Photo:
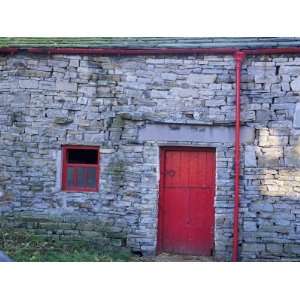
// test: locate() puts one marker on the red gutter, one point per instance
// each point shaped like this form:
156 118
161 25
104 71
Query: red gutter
239 56
270 51
9 50
152 51
126 51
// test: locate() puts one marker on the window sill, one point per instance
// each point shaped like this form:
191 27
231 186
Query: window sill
80 191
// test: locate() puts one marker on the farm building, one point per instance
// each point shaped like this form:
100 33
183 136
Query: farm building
181 145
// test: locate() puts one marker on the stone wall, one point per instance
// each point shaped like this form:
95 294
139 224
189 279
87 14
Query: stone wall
130 106
66 229
270 195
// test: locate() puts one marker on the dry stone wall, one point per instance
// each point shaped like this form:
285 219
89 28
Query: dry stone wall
129 106
270 195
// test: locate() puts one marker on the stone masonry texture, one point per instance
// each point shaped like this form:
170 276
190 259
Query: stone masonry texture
47 101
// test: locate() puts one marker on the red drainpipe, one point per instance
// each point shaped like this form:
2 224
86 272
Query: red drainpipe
239 56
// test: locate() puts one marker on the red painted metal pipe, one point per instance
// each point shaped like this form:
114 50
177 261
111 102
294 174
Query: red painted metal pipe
272 51
151 51
128 51
8 50
239 56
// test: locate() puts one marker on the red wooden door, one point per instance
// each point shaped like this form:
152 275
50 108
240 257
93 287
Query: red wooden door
186 205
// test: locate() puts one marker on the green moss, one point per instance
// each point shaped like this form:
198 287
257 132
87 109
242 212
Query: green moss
117 167
118 122
54 42
21 245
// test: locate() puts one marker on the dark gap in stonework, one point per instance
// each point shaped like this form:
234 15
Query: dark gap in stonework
277 70
82 156
137 253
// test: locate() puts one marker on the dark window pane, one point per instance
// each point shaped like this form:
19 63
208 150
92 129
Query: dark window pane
91 177
82 156
70 173
81 177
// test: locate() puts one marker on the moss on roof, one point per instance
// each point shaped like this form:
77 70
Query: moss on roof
148 42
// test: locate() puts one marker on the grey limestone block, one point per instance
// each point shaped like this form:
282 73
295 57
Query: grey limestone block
250 156
296 123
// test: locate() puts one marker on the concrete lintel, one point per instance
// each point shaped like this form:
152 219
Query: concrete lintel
203 133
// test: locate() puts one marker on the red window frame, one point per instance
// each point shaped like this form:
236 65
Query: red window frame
76 166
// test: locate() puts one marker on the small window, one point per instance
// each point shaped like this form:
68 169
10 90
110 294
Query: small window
80 171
